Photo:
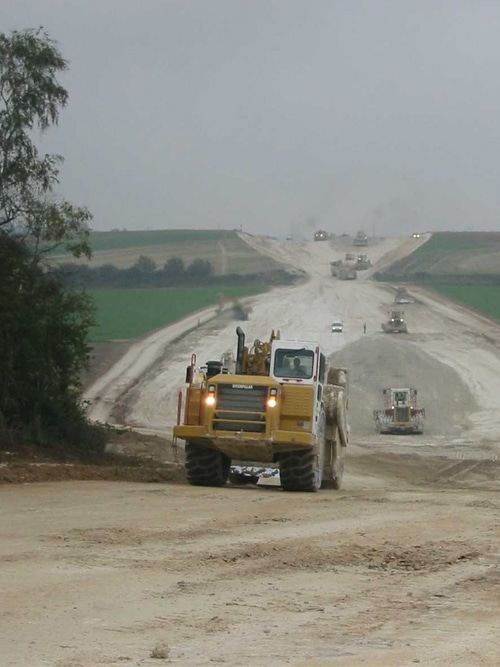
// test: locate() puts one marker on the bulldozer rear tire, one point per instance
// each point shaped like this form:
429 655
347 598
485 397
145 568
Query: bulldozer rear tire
206 467
334 468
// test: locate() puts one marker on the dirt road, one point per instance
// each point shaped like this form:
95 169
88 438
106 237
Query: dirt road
400 567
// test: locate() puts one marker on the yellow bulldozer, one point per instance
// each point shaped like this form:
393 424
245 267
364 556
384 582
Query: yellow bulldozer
281 406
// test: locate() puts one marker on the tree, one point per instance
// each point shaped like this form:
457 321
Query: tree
174 270
145 264
42 344
199 269
43 327
30 98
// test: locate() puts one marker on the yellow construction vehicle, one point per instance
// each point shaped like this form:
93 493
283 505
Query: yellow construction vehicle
360 239
343 270
281 406
362 263
396 323
400 413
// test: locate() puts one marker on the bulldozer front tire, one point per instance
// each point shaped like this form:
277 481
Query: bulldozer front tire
205 466
303 470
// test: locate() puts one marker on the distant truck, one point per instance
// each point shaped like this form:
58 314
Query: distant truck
321 235
343 271
360 239
400 413
396 323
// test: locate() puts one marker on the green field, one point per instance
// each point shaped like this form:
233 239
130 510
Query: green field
445 243
484 299
129 313
460 258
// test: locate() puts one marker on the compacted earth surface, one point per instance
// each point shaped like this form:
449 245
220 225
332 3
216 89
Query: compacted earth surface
129 565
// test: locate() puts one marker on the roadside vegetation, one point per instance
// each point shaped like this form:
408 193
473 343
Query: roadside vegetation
43 325
174 273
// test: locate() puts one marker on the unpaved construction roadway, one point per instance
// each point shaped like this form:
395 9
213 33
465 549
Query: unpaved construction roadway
399 567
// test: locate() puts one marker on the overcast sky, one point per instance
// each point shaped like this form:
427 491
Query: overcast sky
282 116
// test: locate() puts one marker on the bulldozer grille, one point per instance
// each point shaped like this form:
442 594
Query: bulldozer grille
240 409
402 415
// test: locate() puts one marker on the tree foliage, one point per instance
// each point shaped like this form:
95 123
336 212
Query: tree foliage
174 267
200 268
30 99
146 264
43 325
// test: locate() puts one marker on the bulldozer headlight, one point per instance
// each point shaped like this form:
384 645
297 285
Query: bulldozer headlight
210 397
273 398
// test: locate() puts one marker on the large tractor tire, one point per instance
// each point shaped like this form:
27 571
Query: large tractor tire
299 471
334 463
303 470
206 467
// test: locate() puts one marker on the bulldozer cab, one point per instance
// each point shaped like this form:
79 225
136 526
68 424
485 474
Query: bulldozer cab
401 398
292 361
300 363
293 364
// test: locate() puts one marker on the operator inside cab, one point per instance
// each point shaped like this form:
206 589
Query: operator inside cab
400 398
294 363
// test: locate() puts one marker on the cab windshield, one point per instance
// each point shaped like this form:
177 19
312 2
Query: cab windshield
298 363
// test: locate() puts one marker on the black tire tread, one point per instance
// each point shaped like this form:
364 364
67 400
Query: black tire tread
297 471
205 467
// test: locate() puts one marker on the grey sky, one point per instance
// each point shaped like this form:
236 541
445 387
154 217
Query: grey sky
278 115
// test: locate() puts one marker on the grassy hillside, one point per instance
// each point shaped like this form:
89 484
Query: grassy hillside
224 249
462 266
448 255
484 299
